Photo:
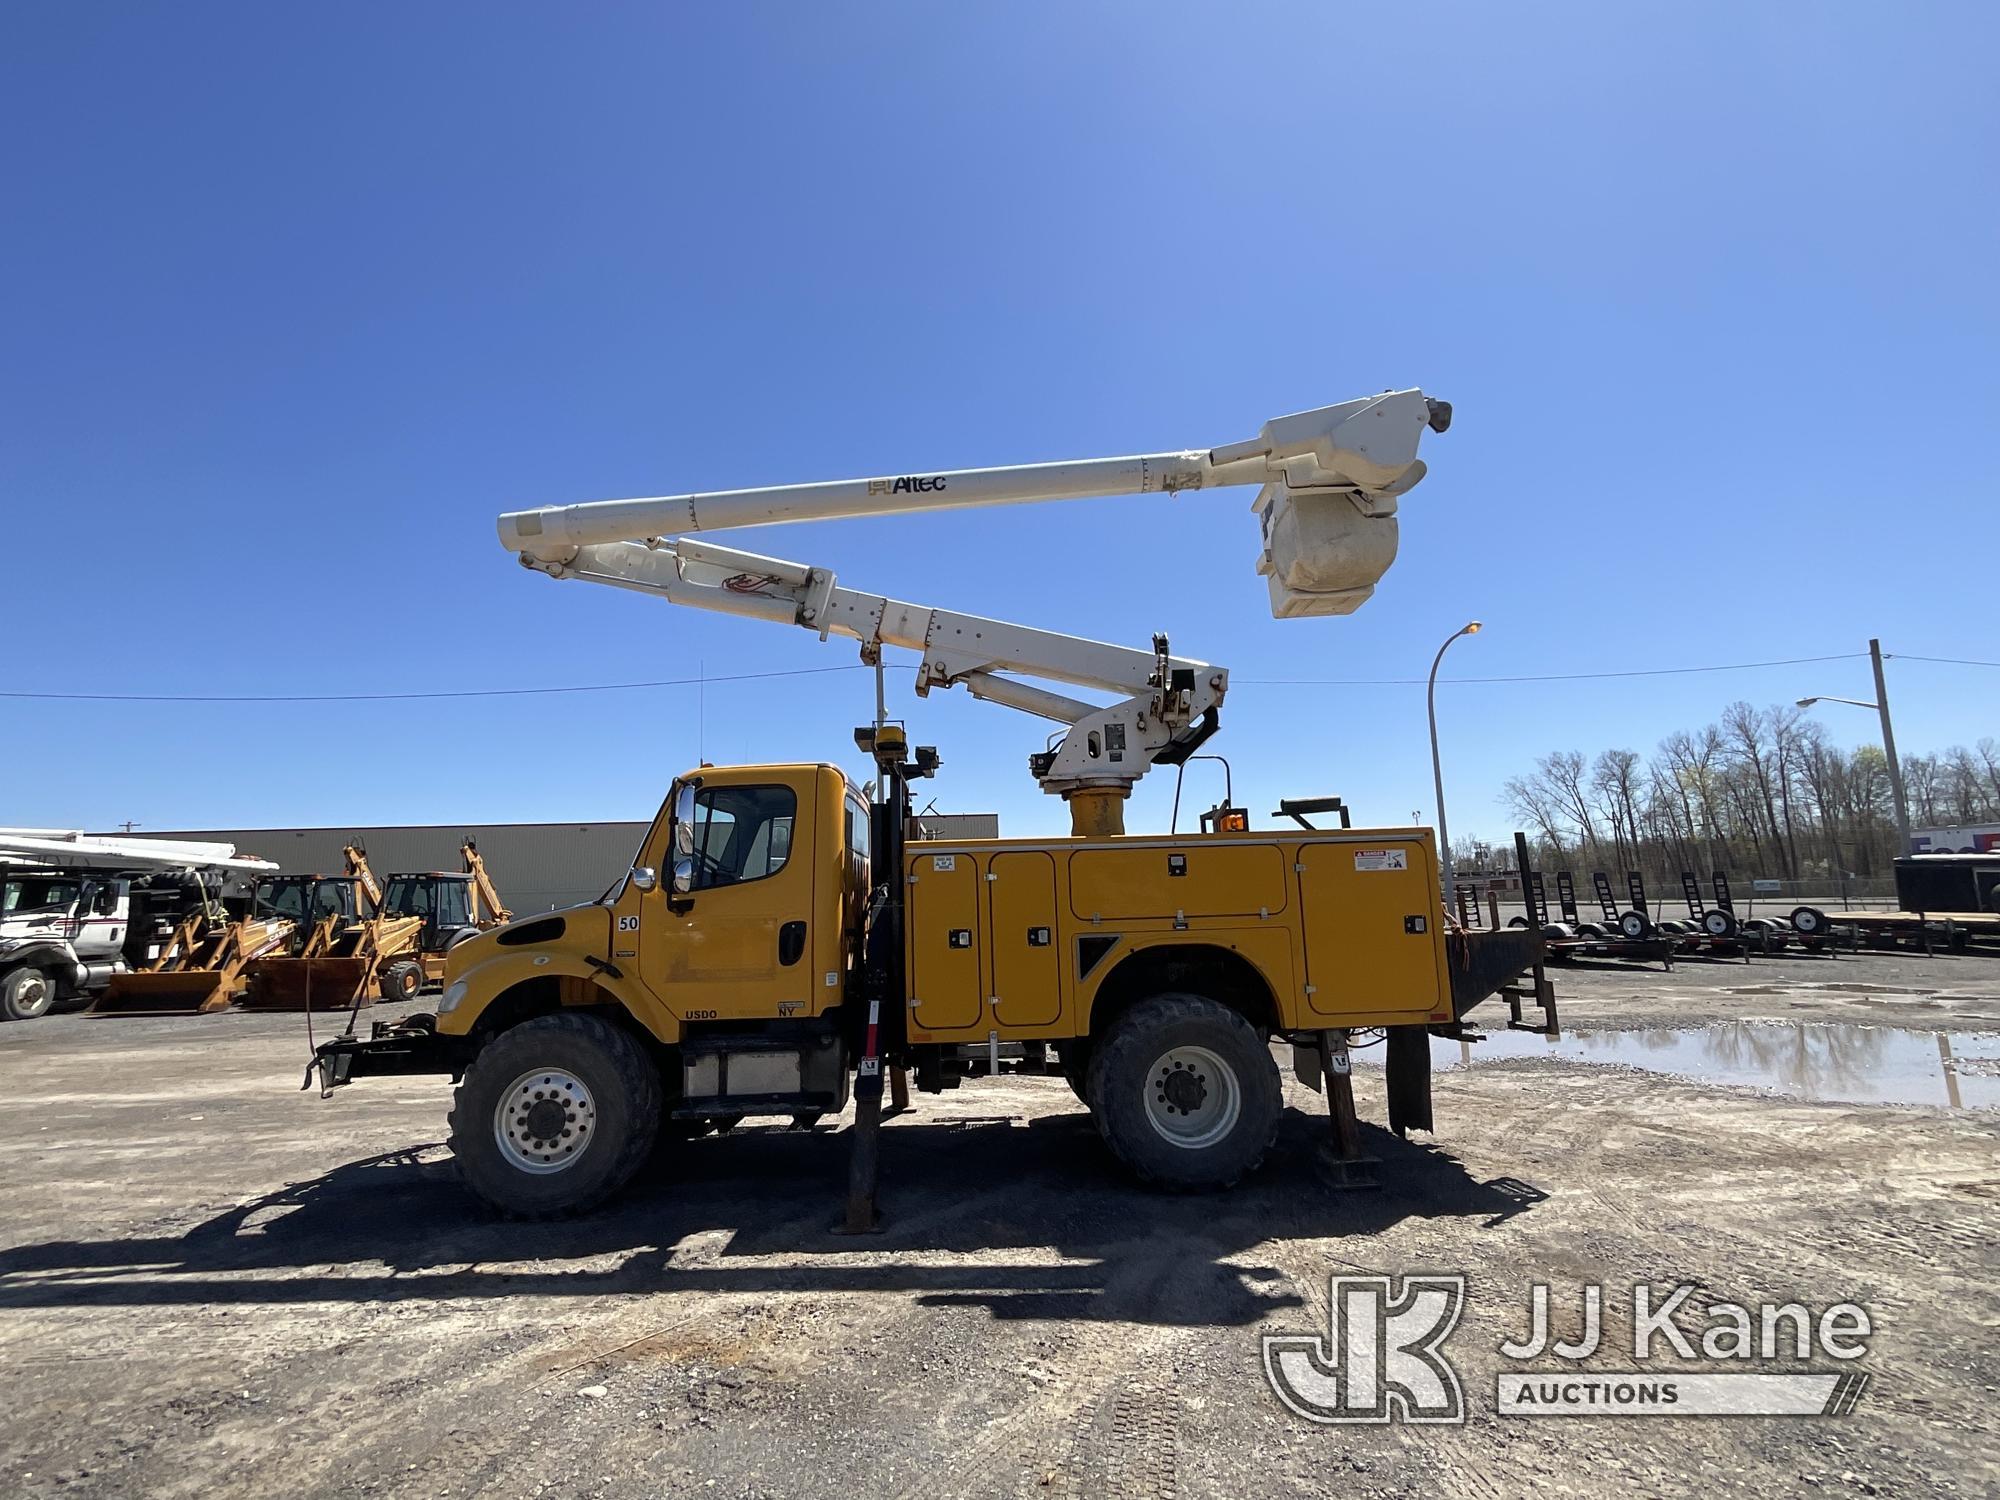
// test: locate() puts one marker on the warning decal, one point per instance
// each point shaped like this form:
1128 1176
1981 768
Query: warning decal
1381 859
944 862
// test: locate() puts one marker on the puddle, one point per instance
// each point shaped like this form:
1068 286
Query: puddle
1814 1060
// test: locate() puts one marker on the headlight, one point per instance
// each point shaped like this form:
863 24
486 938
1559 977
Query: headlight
452 997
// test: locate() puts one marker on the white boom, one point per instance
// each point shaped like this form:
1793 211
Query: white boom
84 851
1330 482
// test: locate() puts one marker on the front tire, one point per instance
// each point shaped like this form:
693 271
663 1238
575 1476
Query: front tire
554 1116
401 979
26 994
1185 1093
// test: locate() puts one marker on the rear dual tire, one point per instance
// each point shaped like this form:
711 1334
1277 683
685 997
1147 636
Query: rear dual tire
554 1116
1185 1093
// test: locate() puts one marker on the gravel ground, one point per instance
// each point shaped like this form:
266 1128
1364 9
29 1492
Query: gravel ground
213 1285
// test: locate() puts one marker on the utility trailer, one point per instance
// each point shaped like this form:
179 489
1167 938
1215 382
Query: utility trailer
1626 937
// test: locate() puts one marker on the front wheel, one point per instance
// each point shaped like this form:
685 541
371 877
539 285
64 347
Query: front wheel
1185 1092
554 1116
26 994
401 979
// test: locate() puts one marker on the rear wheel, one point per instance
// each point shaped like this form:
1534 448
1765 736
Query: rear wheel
554 1116
1809 920
26 994
1185 1092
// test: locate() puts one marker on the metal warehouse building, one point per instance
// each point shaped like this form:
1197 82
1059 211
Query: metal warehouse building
535 866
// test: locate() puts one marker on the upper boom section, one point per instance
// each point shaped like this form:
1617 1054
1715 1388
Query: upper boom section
1359 455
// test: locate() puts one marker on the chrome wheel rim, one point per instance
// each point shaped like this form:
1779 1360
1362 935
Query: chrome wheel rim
1193 1098
545 1121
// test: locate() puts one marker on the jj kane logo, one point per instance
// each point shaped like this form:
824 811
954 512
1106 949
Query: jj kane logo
909 484
1383 1357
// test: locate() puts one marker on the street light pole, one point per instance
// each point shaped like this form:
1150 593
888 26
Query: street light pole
1437 768
1881 706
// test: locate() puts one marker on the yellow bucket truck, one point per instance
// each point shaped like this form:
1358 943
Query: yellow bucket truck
780 945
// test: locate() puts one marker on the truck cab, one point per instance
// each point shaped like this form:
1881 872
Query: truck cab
64 933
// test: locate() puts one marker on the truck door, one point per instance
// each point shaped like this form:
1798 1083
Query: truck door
1026 976
739 946
943 944
1371 918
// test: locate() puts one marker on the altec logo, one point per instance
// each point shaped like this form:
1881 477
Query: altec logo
909 484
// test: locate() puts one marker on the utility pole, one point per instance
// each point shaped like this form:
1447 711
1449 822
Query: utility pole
1889 749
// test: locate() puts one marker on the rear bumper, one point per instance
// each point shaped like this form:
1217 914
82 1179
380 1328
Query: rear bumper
397 1049
1483 962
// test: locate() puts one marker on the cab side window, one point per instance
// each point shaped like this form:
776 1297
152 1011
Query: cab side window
741 833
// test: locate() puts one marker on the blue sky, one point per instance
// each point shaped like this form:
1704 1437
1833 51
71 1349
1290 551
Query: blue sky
299 298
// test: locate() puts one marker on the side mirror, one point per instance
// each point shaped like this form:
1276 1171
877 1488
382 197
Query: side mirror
683 843
644 877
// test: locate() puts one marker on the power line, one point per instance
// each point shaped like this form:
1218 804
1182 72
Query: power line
1738 666
672 682
1950 661
520 692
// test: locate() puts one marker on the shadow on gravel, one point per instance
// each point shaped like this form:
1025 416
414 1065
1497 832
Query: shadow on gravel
398 1227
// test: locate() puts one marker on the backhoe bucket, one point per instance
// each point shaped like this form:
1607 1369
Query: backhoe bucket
310 984
184 992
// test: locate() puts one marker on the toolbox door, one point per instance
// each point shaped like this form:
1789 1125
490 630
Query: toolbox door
943 909
1026 976
1371 916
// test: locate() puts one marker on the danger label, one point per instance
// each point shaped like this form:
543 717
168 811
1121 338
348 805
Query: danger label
1381 859
944 862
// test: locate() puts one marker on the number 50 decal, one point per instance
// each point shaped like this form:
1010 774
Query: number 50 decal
628 924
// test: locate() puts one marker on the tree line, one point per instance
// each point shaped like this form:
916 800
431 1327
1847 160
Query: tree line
1761 792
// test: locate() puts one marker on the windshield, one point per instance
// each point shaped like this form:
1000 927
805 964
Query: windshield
39 892
407 898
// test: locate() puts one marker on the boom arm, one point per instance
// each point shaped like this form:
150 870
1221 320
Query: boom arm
1330 482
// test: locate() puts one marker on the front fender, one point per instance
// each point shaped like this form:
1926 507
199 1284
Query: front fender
39 953
579 982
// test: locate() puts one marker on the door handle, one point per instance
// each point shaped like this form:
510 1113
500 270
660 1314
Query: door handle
791 943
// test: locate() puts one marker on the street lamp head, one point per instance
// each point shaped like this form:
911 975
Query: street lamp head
1474 628
1807 702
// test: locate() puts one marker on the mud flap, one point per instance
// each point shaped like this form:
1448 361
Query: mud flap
1408 1065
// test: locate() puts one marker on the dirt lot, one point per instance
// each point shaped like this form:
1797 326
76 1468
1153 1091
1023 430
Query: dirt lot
211 1284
